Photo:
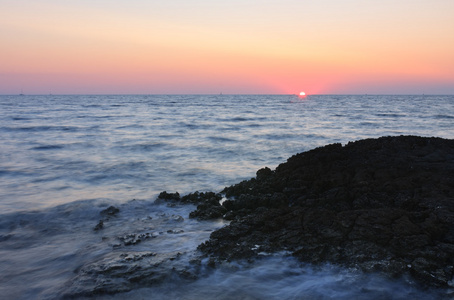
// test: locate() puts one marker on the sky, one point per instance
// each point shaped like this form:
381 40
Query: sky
230 47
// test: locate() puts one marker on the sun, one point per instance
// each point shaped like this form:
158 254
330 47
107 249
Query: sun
302 94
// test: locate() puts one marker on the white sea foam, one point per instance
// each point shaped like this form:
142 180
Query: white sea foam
282 277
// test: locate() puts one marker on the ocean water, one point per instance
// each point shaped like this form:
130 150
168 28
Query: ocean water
63 159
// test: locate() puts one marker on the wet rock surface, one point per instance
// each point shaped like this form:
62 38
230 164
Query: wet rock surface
122 272
208 204
383 205
107 214
144 246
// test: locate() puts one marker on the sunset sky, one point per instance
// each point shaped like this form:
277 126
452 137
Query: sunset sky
236 46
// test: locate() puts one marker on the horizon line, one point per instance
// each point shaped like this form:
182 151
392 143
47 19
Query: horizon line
225 94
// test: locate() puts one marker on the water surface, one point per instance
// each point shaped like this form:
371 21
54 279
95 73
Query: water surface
65 158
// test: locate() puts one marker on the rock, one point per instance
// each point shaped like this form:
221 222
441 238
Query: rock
208 204
177 218
135 238
117 273
99 226
169 196
378 204
200 197
110 211
208 211
136 256
208 207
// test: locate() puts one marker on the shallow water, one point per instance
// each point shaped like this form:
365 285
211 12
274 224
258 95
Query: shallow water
282 277
63 159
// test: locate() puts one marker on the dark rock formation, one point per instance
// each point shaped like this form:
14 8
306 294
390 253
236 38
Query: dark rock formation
208 204
382 204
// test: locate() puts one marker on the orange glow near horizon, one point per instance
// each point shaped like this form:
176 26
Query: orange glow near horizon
107 47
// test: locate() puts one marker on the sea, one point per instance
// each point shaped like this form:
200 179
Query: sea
66 158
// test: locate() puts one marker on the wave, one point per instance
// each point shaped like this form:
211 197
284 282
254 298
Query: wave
220 139
20 119
143 147
48 147
281 277
390 115
41 128
443 117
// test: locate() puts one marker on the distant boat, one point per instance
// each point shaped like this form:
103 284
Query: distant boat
21 93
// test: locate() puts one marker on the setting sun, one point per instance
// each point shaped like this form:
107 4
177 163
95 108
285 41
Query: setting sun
302 94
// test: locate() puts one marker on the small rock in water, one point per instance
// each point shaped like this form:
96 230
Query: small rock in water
177 218
134 238
136 256
110 211
169 196
99 226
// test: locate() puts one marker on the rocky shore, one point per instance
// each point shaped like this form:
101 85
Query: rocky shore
380 205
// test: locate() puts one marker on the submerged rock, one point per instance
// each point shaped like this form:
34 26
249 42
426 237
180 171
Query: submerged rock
110 211
118 273
99 226
382 204
135 238
138 250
